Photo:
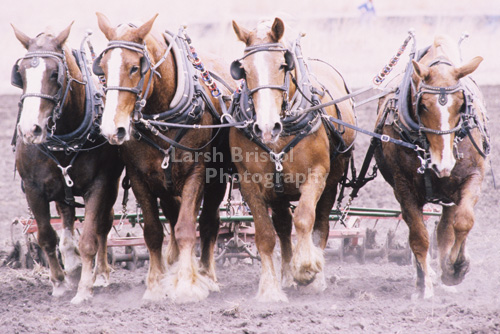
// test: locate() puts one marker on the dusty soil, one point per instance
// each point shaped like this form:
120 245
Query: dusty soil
374 297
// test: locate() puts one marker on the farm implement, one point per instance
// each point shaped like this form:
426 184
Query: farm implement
356 237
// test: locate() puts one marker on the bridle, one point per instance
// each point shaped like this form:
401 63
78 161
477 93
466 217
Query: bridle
238 73
145 67
443 93
59 98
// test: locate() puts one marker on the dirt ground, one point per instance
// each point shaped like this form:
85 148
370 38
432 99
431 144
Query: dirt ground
374 297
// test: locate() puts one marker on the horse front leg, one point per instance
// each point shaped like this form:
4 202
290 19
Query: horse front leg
184 282
452 232
282 221
308 260
265 240
68 245
47 240
153 236
419 244
209 228
170 206
321 229
99 202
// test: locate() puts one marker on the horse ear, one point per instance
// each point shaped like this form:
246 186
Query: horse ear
22 37
242 33
63 36
421 70
277 30
105 26
143 30
468 68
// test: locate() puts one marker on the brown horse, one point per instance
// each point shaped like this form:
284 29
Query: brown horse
148 79
288 155
59 155
446 118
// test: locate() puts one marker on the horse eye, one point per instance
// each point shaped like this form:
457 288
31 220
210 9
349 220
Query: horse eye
134 69
424 108
54 75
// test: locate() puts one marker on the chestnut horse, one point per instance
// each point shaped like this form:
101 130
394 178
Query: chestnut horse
60 154
286 154
444 115
149 79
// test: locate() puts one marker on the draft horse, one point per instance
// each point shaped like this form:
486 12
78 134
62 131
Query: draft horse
59 154
150 79
440 110
287 154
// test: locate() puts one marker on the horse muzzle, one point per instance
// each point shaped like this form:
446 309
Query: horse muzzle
266 133
118 137
34 134
442 170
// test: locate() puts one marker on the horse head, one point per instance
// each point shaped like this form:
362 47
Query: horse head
126 64
440 100
265 68
41 73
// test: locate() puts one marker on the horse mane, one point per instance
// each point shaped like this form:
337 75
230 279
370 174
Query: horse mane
265 25
444 46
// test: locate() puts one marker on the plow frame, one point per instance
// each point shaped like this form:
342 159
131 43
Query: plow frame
236 238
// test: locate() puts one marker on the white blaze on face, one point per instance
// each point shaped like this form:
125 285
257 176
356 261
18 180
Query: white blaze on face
31 105
268 113
108 126
444 160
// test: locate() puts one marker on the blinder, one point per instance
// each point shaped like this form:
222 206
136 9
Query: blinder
97 69
238 72
145 65
16 79
96 66
290 63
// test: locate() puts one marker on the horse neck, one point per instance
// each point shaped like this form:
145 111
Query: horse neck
163 87
73 111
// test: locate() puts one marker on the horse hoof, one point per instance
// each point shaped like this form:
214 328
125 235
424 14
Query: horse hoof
59 288
455 273
272 297
451 280
74 276
288 282
101 281
187 291
426 292
305 277
81 297
153 295
317 285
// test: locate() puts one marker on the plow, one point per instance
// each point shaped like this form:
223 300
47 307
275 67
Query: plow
360 237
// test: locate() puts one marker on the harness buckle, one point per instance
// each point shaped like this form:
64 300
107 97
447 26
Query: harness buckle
424 161
228 116
277 158
166 159
66 176
385 138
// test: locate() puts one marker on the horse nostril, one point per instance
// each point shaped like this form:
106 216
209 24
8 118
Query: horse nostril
36 130
257 130
121 133
277 129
